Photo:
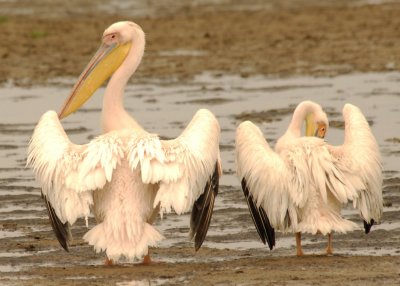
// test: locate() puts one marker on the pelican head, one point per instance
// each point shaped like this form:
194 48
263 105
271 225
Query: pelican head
117 42
316 120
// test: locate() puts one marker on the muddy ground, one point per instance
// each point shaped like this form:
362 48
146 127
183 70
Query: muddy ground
44 40
278 38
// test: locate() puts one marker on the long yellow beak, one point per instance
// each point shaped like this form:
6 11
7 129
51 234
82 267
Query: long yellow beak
103 64
310 126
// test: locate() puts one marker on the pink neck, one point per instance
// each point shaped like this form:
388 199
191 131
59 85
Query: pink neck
114 115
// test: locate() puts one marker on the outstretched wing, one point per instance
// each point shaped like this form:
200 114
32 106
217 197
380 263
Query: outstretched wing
68 172
265 178
359 160
187 169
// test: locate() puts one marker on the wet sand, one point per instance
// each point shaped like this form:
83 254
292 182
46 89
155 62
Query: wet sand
44 41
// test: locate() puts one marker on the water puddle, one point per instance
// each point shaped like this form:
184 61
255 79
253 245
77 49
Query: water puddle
141 8
10 268
151 282
10 234
180 53
14 208
14 254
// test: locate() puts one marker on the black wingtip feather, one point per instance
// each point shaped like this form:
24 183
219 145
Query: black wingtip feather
200 218
260 218
61 230
270 230
367 226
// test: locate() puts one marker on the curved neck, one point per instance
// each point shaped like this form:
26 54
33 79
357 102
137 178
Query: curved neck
299 115
114 115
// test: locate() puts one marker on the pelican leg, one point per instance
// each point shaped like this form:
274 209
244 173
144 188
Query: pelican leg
329 250
298 244
147 259
108 262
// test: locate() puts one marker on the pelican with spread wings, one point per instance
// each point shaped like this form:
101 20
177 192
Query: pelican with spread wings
303 184
126 176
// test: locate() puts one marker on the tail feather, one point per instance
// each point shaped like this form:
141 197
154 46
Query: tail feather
122 244
328 223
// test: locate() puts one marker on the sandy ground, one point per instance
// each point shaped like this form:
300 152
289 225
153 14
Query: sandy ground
43 40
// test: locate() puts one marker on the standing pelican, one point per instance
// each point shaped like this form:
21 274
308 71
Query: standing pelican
125 176
303 185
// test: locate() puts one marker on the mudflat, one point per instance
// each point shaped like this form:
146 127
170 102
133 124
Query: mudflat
46 40
279 38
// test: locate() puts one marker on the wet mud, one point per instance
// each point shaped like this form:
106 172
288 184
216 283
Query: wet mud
47 39
251 61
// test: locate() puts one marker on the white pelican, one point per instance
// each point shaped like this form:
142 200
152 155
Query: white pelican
302 185
125 176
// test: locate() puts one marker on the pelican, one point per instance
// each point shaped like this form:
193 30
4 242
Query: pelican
126 176
303 184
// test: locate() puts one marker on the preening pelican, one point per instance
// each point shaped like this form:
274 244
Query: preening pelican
126 175
303 184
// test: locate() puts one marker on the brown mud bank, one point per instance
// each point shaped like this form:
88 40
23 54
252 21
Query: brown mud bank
246 270
281 38
45 40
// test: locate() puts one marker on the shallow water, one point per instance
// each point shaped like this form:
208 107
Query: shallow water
140 8
165 108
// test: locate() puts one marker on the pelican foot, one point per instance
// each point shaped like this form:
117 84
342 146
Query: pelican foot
108 262
329 251
299 253
146 260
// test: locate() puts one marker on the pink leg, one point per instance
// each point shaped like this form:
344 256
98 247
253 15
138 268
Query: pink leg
108 262
329 249
147 259
298 244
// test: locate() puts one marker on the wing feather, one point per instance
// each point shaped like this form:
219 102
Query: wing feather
360 161
68 172
202 210
61 230
182 166
266 176
260 218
